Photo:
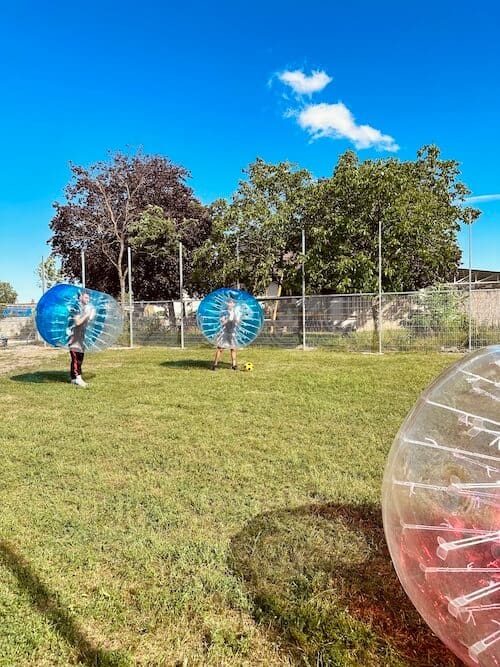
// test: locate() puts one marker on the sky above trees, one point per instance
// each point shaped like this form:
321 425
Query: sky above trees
214 85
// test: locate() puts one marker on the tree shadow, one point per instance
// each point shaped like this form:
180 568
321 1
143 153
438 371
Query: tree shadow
187 364
322 579
43 377
49 605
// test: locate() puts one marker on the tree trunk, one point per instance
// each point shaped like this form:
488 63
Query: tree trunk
171 314
275 309
122 275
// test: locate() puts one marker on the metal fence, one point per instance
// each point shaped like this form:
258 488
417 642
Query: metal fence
445 319
17 324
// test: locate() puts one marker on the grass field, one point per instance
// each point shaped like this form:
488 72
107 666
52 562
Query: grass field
170 515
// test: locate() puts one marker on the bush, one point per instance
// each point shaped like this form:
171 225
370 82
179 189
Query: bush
440 313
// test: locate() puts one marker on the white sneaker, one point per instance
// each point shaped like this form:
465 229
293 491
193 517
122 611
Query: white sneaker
79 381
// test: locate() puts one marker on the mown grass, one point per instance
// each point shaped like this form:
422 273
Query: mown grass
170 515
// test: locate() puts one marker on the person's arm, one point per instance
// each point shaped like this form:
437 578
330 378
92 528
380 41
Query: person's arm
86 315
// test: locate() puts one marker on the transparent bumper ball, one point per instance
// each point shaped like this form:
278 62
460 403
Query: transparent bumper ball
230 318
441 507
56 310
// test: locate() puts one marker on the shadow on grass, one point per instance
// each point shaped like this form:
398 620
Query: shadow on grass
320 576
40 377
188 364
49 605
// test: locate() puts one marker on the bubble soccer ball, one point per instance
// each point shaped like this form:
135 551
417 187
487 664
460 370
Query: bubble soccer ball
441 507
248 366
57 308
230 318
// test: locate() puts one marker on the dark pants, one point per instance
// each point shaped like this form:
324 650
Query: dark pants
76 363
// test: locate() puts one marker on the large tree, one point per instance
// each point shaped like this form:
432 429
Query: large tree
107 204
256 237
417 204
8 294
155 239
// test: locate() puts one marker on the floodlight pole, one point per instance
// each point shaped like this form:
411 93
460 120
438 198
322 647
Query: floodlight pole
83 266
470 286
230 232
181 290
43 275
130 298
238 259
380 284
303 289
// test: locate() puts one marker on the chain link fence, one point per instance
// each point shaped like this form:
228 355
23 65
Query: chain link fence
435 319
17 325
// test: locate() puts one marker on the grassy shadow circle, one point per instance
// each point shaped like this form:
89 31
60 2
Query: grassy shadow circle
320 576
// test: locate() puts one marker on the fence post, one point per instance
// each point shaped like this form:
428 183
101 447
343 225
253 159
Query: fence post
130 299
181 289
43 292
83 266
380 285
470 286
43 275
303 289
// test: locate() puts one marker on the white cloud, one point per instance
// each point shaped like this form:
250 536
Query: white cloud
481 198
302 84
336 121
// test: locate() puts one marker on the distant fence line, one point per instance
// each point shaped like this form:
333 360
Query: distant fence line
447 318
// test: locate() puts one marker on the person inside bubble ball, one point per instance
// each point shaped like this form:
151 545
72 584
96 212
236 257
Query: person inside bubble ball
80 316
229 319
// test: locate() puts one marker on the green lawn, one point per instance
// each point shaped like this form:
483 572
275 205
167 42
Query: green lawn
170 515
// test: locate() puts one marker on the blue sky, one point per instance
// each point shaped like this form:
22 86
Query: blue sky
200 84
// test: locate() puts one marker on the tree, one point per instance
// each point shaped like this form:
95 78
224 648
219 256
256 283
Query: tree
419 207
256 238
417 204
8 294
48 274
155 240
104 203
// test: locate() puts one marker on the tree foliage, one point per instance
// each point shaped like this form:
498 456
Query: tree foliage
418 205
256 238
109 206
48 274
7 293
155 240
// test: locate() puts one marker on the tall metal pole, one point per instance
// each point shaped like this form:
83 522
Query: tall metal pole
303 289
181 290
238 258
130 298
470 286
43 275
379 284
83 267
43 292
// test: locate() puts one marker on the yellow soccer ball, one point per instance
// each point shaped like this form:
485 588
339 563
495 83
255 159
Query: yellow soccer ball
248 366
